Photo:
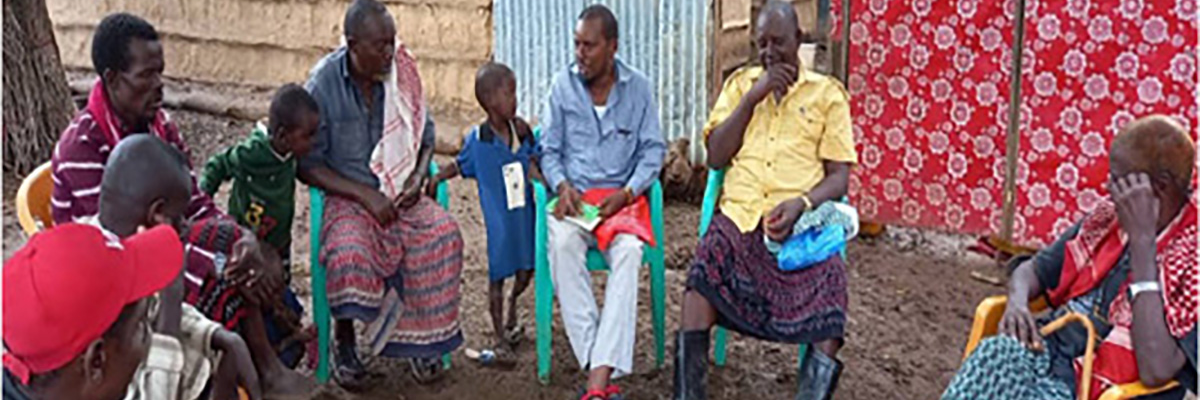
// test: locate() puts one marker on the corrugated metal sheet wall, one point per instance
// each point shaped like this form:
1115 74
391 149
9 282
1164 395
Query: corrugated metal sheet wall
665 39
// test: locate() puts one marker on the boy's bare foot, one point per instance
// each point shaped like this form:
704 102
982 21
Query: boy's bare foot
501 355
505 358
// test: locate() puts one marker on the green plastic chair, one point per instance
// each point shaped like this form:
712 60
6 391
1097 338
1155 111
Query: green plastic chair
712 193
544 291
320 298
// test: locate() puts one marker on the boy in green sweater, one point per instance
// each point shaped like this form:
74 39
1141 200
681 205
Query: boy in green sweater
263 169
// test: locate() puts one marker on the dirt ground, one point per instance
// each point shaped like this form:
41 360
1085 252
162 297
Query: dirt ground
911 303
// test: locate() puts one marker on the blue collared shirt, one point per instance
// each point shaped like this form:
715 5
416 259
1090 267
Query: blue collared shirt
348 132
623 149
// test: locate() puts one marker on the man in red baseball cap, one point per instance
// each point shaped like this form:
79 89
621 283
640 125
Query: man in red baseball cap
75 310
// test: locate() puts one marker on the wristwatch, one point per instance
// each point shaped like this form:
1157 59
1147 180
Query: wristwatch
1137 288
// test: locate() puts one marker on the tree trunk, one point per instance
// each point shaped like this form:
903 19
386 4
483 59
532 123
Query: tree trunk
37 101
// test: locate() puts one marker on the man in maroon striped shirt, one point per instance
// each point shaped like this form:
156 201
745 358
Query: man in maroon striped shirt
226 277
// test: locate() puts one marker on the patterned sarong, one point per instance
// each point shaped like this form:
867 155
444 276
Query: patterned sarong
740 278
419 255
1002 368
210 241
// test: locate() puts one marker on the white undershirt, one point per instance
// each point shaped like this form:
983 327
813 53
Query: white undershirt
600 110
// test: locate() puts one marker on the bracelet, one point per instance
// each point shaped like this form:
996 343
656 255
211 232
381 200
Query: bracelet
1137 288
629 197
807 203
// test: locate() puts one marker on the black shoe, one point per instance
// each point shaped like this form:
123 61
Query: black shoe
818 376
691 365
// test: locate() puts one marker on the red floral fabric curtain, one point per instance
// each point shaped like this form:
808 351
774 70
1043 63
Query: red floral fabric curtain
930 80
1100 65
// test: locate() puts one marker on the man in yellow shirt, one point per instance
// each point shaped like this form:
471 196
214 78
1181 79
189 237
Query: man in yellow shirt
784 136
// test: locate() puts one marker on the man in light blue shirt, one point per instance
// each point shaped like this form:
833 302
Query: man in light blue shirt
611 140
601 130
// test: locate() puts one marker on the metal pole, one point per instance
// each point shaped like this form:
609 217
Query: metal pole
823 59
845 41
823 19
1012 146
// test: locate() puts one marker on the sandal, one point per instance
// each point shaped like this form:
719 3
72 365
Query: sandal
514 335
613 392
594 394
426 370
349 371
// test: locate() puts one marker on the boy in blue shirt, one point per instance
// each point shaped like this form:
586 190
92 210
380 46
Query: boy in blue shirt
497 155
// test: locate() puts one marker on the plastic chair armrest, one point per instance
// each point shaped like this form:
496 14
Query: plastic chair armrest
712 193
1134 390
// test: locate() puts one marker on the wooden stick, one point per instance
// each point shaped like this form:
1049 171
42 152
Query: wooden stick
994 281
1013 144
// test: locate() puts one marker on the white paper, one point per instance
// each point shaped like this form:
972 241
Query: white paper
583 222
514 185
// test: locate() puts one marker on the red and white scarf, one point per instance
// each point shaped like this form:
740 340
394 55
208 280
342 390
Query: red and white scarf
1093 253
404 113
111 125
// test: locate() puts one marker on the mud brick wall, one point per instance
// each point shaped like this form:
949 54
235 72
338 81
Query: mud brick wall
271 42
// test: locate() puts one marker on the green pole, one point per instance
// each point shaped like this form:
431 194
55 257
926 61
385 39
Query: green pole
1012 147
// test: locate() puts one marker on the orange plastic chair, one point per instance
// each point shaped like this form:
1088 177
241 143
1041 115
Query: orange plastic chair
33 200
987 322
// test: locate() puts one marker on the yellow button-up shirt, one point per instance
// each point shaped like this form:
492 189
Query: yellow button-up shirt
785 145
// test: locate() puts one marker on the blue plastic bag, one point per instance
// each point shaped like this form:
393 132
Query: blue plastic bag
813 246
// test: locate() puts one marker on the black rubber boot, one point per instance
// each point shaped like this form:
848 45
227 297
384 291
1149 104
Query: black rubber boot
818 376
691 365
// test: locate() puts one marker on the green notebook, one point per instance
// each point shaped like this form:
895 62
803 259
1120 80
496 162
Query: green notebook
588 220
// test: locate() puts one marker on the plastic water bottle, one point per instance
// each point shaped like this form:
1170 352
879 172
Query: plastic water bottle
772 246
484 357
